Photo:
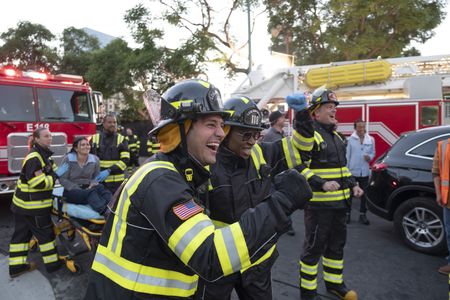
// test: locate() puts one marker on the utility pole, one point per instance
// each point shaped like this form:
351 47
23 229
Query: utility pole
249 38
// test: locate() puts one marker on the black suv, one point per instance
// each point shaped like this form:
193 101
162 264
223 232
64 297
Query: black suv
401 189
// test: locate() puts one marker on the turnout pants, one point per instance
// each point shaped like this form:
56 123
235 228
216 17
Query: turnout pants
325 236
41 227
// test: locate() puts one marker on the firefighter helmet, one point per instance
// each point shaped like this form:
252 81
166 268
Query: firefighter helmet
243 113
321 96
185 100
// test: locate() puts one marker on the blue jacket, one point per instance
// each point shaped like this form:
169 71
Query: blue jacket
356 163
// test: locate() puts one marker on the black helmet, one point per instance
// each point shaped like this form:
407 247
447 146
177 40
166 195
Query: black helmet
187 100
321 96
243 113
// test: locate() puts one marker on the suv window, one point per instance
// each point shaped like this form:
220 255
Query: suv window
16 104
427 149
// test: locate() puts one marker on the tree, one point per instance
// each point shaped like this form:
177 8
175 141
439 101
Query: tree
27 47
204 32
324 31
77 50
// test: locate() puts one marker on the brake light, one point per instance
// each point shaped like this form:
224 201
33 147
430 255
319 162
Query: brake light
378 167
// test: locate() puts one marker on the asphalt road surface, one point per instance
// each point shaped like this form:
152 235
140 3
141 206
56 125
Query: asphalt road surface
377 265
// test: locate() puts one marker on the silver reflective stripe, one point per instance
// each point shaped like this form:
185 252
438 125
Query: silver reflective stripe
337 278
444 146
444 182
299 141
141 278
190 235
230 244
291 153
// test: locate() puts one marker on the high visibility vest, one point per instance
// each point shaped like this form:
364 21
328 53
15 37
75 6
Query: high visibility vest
444 168
106 163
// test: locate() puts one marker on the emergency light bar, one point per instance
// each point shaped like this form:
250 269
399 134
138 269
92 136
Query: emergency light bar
61 78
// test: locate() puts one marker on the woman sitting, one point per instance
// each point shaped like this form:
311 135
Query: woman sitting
79 182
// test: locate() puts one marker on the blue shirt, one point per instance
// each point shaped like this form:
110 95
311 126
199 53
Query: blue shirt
356 150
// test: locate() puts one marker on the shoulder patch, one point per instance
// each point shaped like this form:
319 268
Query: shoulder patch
187 209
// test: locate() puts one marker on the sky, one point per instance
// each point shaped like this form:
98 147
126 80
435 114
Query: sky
107 16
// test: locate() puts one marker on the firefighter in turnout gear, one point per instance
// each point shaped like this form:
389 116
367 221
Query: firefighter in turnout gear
159 241
241 179
112 150
325 215
153 146
32 205
134 144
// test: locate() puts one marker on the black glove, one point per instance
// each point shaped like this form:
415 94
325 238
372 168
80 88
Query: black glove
295 189
303 122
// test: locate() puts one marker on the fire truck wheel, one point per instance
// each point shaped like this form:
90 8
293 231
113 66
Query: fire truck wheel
420 224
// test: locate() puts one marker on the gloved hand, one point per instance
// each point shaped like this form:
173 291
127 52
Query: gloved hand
102 175
62 169
296 101
295 189
303 122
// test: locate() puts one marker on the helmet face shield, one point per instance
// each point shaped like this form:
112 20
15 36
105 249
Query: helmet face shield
152 102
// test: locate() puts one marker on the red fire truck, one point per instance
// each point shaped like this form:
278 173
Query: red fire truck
393 95
28 100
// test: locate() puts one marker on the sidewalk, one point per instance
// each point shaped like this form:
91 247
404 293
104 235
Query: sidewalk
32 285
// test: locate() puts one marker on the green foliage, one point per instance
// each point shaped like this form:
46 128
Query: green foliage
322 31
26 47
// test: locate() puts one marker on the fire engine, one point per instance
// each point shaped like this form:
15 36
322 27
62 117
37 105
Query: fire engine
392 95
64 104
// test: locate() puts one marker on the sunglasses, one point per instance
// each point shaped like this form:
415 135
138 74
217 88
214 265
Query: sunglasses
249 134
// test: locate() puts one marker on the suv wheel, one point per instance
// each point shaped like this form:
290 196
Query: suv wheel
419 222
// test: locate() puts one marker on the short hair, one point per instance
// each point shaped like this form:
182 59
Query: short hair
110 115
358 121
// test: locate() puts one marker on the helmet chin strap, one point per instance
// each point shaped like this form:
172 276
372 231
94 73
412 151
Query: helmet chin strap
187 171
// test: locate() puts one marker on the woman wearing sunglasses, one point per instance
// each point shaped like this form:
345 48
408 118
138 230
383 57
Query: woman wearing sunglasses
241 178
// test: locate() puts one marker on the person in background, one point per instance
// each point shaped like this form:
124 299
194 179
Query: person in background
160 241
112 150
360 151
241 179
153 146
275 132
440 171
79 182
325 215
134 144
32 205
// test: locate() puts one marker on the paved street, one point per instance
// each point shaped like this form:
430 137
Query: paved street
377 265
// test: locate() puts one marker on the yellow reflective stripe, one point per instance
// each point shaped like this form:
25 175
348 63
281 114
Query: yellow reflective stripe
96 139
25 188
47 246
204 83
302 143
115 178
18 247
261 259
338 135
177 104
219 224
121 164
108 163
124 154
32 204
120 139
50 258
18 260
119 226
190 235
257 158
291 153
231 248
331 196
308 269
143 279
334 278
329 173
49 183
33 155
33 182
333 263
308 284
318 138
307 173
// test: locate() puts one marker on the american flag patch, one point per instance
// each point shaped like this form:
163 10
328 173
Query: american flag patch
187 209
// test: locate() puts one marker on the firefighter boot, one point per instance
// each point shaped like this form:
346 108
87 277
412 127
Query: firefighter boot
22 270
341 291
